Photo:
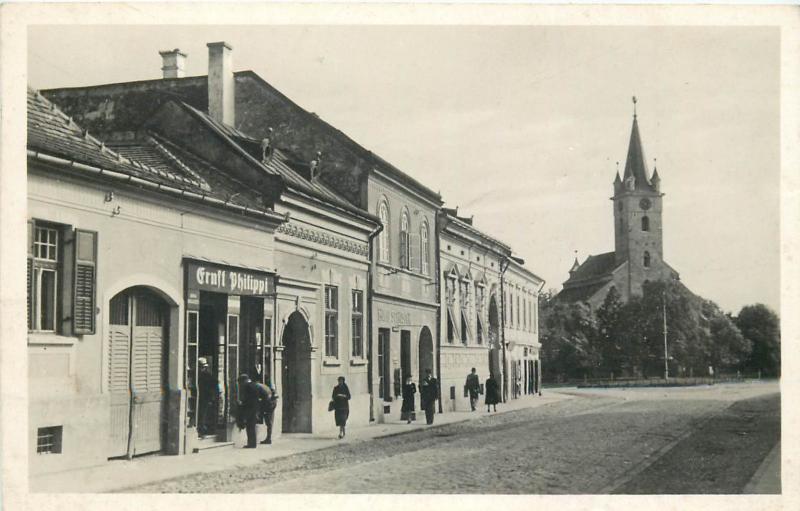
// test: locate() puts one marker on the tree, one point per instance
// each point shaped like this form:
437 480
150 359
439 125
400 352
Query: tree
566 332
761 327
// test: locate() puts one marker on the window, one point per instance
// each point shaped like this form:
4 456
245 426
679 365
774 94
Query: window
646 259
645 223
479 296
384 361
48 440
423 248
331 321
383 237
405 244
357 324
450 291
518 322
58 300
463 299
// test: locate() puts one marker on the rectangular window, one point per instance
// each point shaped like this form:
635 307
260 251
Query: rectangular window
331 321
357 324
44 271
48 440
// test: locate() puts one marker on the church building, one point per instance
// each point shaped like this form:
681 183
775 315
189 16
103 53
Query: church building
638 254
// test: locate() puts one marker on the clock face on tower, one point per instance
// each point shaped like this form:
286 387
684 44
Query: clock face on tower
645 204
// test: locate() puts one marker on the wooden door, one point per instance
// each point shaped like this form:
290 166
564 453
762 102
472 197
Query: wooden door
137 372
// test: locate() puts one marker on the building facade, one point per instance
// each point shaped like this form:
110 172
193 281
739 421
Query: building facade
471 265
638 253
119 250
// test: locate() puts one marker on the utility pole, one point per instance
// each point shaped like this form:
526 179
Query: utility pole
666 359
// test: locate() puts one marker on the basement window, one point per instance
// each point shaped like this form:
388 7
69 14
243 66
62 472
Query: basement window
48 440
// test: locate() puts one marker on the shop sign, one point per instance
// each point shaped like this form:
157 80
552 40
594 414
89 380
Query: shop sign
229 280
396 318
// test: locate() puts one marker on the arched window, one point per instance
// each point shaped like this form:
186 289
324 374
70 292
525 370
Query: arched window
645 223
383 238
647 259
404 242
423 247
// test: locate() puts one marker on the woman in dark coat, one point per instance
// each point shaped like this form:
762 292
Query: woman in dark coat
492 393
407 410
341 405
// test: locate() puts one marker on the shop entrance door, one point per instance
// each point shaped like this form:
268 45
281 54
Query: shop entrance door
405 356
211 354
296 377
137 372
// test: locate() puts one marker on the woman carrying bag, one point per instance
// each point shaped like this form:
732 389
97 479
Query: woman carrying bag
340 404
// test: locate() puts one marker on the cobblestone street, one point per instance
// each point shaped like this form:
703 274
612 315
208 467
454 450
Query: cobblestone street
604 441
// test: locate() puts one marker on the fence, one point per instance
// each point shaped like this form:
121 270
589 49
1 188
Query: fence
678 381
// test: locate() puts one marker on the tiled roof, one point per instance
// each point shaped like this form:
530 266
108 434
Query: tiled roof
278 165
141 155
580 293
594 266
52 132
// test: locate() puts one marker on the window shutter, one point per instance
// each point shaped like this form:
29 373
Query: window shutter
85 282
414 252
30 274
403 249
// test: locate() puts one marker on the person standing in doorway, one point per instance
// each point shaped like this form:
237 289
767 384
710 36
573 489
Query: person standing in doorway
251 399
407 410
473 387
268 410
208 388
429 389
492 393
341 405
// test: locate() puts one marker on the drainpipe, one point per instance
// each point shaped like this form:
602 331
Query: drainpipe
503 269
370 279
437 266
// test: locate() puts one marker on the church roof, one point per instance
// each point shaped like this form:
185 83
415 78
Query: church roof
580 293
594 266
635 164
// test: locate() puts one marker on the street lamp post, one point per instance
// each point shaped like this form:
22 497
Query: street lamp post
666 359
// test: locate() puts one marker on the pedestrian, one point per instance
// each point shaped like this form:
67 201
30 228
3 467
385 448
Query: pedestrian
407 410
268 410
251 396
428 392
492 393
340 399
473 386
208 389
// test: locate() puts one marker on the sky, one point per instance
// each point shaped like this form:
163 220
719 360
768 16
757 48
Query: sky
521 126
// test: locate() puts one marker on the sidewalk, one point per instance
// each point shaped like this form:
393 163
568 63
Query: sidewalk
120 474
767 479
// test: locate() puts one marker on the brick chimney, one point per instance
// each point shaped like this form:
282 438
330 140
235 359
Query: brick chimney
173 63
220 82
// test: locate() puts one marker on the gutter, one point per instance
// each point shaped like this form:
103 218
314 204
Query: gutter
503 269
126 178
370 279
437 266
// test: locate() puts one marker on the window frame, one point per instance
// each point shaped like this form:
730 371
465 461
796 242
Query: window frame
40 265
357 316
384 247
331 303
424 249
405 242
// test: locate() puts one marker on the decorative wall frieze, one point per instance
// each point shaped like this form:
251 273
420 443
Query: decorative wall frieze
324 238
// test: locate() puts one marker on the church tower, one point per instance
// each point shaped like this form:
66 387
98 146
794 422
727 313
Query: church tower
637 213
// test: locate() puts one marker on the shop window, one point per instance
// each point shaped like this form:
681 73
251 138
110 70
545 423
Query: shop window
384 385
357 324
383 237
61 279
48 440
331 322
405 244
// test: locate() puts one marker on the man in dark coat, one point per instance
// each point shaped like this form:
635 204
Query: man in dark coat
473 386
208 395
268 409
251 397
428 391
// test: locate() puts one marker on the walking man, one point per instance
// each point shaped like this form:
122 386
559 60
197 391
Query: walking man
428 390
473 386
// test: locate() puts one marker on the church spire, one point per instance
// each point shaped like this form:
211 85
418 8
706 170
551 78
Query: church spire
635 166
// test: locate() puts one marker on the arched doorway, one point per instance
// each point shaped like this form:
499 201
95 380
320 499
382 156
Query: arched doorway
494 338
137 348
425 351
296 375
